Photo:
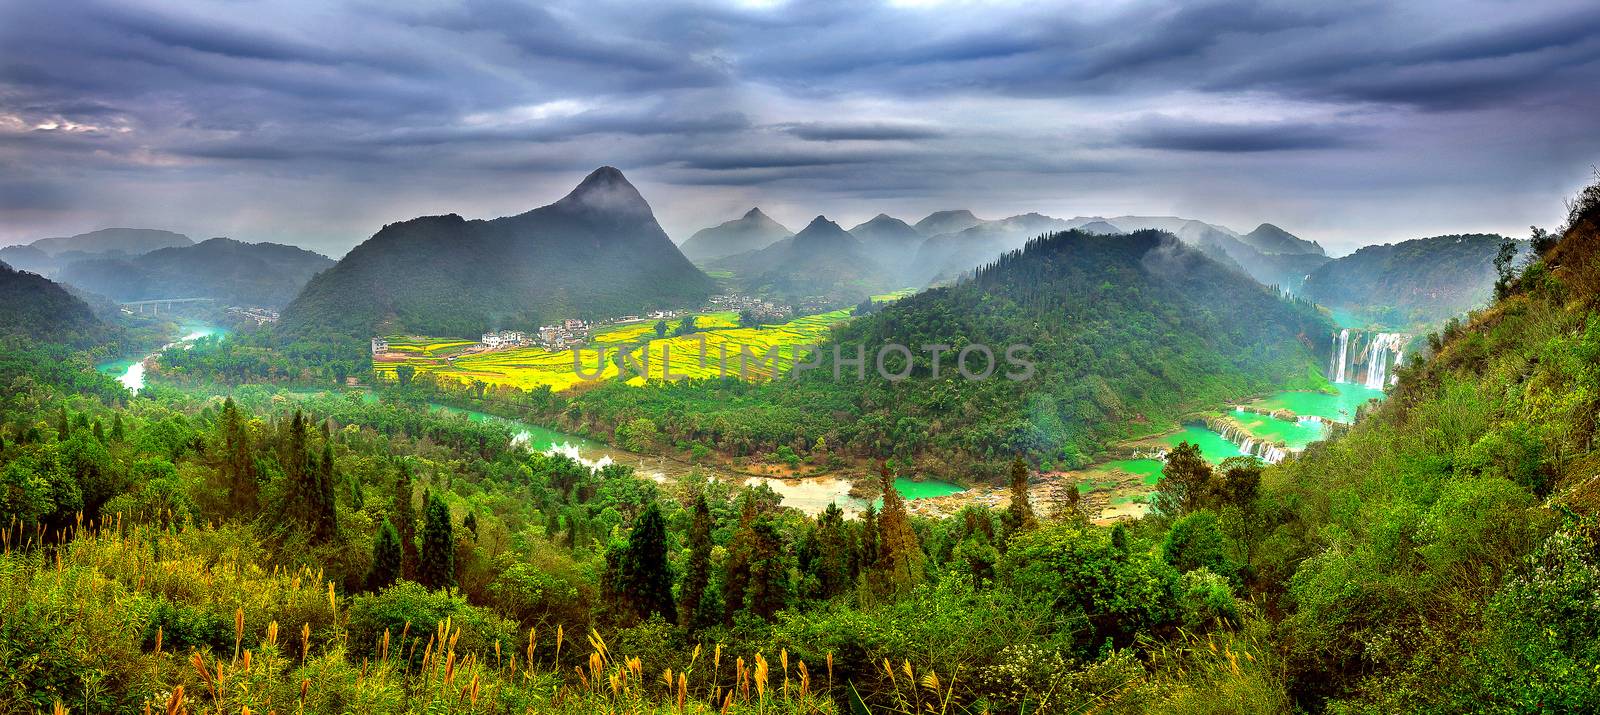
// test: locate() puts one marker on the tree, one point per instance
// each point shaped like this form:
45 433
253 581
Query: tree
831 565
686 326
643 580
661 328
386 558
769 571
1195 541
406 516
117 430
697 574
901 561
403 374
63 429
471 523
1184 480
238 464
1019 516
1505 258
437 564
749 319
1241 480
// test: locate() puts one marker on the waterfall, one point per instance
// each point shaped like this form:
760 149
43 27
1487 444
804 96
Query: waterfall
1399 354
1344 345
1378 353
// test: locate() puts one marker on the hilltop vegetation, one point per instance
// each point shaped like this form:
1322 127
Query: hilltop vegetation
46 256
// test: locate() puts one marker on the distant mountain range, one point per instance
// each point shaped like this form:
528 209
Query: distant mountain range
946 245
823 260
235 273
751 232
1421 281
598 252
47 256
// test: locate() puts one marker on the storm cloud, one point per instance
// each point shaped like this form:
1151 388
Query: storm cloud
316 122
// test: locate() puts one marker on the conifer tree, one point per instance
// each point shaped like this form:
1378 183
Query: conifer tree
471 524
736 567
99 432
644 581
1019 516
63 430
437 566
238 466
405 517
386 557
322 511
769 572
697 574
901 561
831 565
117 430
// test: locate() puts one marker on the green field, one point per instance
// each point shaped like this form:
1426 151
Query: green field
676 357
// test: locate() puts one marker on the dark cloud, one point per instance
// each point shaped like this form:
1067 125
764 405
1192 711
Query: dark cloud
1236 137
311 118
869 131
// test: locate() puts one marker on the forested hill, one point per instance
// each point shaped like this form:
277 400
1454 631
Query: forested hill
1442 557
1124 329
1127 332
598 252
1425 280
33 306
236 273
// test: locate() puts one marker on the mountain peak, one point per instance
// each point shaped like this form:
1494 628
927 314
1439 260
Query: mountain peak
950 221
754 212
820 222
606 190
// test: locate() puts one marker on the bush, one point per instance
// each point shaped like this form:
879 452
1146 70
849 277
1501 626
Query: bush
406 603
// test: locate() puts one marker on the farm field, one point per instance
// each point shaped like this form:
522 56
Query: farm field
531 367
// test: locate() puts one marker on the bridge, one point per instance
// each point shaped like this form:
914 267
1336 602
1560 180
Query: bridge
155 305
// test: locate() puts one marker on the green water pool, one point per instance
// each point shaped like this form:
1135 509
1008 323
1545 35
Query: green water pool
1339 407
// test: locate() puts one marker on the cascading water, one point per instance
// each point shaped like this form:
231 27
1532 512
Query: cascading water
1344 345
1367 359
1379 353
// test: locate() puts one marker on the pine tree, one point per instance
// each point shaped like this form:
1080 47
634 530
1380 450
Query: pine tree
1019 516
645 582
697 575
238 464
769 572
63 430
322 510
831 565
736 567
471 524
406 517
99 432
437 566
386 558
901 561
117 430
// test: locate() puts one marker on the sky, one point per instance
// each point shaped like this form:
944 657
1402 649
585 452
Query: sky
316 122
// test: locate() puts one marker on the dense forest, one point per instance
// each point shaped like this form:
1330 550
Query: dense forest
1127 334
